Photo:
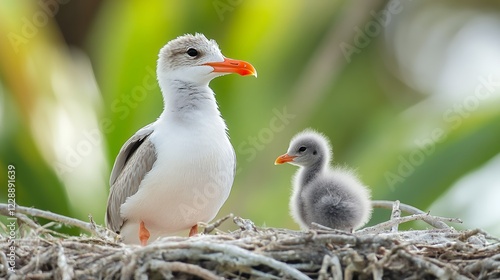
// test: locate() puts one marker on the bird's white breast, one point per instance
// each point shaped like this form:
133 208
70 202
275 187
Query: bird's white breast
190 180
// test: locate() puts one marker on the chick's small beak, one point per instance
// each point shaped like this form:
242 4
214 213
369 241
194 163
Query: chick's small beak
284 159
233 66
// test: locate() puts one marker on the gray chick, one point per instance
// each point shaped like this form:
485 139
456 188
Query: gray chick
332 197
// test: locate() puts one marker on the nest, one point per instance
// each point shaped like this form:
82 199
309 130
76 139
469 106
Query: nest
379 252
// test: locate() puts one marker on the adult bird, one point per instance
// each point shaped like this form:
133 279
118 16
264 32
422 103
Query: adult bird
178 170
332 197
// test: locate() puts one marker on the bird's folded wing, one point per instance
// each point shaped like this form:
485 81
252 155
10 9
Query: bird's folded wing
135 160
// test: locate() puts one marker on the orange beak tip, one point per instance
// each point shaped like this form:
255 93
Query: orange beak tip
284 159
233 66
251 70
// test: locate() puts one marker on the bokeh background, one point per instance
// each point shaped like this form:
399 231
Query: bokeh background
407 91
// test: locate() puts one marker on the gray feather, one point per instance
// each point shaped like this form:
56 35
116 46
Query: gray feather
333 197
331 204
135 160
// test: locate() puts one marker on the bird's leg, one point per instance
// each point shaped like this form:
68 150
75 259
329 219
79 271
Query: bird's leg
194 230
143 234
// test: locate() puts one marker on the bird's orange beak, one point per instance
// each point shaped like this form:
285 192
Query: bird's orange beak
233 66
284 159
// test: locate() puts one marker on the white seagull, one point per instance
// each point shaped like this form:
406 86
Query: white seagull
332 197
177 171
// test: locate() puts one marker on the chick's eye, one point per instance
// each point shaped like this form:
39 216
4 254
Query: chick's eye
302 149
192 52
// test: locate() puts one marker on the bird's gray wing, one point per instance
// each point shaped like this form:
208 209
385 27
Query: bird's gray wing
134 161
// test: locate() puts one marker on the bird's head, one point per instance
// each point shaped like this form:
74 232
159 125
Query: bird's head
198 60
307 148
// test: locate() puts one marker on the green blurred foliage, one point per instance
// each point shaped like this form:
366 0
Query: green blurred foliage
358 102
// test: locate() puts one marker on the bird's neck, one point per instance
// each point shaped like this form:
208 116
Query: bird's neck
188 101
309 173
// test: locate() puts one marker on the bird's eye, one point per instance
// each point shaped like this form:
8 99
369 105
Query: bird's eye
192 52
302 149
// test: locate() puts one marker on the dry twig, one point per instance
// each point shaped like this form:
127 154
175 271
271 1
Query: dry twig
89 227
251 252
396 213
386 204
